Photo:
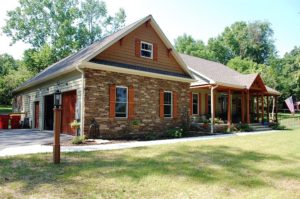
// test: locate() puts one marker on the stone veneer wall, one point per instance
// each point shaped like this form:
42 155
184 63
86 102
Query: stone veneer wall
146 103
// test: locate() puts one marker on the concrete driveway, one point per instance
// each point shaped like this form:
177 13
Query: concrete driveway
26 137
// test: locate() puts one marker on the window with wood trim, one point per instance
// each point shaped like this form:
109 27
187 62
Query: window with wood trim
195 103
121 106
168 104
146 50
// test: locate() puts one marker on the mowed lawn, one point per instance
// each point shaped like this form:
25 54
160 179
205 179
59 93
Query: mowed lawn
256 166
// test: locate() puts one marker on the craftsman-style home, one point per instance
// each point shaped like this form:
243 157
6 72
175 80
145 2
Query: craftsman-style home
135 77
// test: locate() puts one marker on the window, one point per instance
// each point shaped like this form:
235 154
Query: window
121 101
168 101
195 103
146 50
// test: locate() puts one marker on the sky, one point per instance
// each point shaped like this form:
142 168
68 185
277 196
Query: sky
202 19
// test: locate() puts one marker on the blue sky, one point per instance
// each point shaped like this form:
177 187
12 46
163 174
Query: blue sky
199 18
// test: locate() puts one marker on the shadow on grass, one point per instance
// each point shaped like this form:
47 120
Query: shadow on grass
203 164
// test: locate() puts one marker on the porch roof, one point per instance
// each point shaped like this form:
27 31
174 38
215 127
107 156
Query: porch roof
218 74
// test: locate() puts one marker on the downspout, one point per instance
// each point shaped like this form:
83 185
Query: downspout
212 107
82 101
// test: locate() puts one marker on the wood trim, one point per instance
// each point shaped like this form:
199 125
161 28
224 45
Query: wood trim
161 103
137 47
131 113
112 101
175 104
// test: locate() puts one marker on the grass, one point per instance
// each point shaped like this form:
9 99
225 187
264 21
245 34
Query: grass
257 166
4 109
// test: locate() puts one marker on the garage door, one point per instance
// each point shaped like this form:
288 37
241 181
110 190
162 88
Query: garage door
68 111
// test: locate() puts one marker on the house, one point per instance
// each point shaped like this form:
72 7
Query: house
221 92
136 76
133 74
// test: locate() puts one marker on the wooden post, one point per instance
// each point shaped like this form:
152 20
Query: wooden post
276 109
229 109
243 107
257 107
57 130
262 109
212 109
248 107
268 113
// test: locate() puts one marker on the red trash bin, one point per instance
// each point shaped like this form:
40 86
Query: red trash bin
15 121
4 119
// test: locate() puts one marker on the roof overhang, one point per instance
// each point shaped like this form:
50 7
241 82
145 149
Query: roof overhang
105 67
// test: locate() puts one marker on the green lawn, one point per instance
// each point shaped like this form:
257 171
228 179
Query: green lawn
257 166
5 109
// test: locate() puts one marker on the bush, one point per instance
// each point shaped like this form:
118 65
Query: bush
232 128
79 139
175 132
244 127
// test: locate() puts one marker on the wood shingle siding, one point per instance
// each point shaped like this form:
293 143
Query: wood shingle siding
129 51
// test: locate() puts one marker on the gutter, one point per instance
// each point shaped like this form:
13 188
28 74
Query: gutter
82 100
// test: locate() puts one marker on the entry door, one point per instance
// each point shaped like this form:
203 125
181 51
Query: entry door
68 111
36 114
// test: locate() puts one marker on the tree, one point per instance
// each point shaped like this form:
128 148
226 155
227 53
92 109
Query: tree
187 45
11 80
7 63
249 40
64 26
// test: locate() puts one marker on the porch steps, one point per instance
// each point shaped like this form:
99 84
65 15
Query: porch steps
259 127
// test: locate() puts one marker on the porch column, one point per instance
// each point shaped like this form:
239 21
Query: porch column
248 107
229 109
257 107
212 109
268 117
243 107
276 109
262 108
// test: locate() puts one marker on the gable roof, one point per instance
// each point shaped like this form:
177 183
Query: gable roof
217 73
86 54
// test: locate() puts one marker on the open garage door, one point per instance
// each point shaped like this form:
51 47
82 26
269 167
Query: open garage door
68 111
48 112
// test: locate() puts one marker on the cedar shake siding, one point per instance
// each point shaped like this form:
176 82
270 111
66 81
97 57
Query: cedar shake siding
127 51
143 103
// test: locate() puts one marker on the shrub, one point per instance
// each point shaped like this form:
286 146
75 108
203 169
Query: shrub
244 127
75 124
175 132
79 139
231 129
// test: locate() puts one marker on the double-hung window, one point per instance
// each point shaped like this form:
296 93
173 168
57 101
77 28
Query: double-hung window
121 101
195 103
168 102
146 50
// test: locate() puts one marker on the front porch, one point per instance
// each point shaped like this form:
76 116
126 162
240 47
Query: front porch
234 105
